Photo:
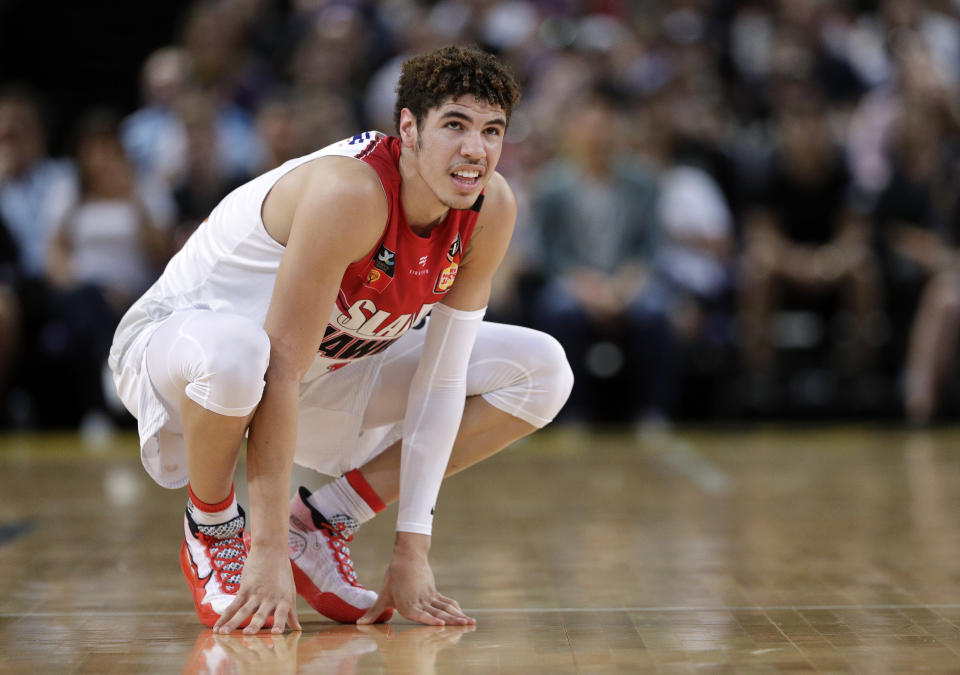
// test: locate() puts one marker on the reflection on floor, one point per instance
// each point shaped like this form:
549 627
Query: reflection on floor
723 551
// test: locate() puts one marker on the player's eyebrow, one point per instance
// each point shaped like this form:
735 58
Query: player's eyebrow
456 114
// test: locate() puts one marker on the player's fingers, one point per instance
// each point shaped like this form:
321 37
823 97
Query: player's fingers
293 619
239 616
446 604
258 619
452 607
228 613
280 617
376 610
421 615
448 618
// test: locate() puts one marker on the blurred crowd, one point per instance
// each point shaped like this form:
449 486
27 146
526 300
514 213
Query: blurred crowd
729 208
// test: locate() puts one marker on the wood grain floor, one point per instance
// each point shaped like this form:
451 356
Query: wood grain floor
833 550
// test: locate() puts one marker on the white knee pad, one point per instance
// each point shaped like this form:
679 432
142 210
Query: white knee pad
218 360
531 378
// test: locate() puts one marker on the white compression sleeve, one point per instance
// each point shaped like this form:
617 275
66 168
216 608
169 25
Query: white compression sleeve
434 409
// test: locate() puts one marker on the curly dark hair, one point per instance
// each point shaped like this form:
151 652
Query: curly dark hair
431 79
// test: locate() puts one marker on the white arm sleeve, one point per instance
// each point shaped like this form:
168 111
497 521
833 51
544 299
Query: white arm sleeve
434 408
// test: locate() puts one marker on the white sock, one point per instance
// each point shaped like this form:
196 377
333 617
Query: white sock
339 496
212 514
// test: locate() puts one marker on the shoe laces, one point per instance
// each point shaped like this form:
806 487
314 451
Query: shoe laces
227 557
338 533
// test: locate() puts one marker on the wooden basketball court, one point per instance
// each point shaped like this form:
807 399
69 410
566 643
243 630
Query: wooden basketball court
834 550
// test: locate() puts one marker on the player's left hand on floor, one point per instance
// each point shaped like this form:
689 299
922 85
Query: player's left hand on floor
409 588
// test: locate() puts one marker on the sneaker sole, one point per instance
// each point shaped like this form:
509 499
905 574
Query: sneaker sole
330 605
204 611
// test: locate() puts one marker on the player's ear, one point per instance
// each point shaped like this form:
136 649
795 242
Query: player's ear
408 128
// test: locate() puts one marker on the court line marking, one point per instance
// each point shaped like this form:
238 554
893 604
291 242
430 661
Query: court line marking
541 610
682 457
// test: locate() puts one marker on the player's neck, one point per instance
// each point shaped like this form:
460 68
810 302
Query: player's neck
421 207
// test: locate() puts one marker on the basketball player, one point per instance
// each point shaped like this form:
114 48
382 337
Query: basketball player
294 315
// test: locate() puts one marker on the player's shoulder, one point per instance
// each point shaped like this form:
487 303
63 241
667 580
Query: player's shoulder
499 204
343 177
346 190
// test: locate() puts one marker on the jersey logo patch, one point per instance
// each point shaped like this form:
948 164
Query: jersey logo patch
380 273
385 260
449 273
446 278
453 253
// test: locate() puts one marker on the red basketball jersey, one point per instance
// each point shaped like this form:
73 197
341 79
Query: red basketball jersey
393 288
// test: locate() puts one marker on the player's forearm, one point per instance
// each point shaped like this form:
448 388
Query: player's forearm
434 408
425 453
270 449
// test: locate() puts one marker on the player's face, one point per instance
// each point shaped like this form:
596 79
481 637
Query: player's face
457 148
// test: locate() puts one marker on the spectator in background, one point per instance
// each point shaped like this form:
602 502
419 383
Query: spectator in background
107 250
281 130
35 190
918 216
208 175
595 211
696 265
683 137
801 235
153 135
35 193
115 237
156 136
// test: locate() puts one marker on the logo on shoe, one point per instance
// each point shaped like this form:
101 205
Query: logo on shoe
296 544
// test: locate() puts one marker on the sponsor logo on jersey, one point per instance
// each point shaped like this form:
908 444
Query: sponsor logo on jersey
453 253
446 278
380 273
449 273
385 260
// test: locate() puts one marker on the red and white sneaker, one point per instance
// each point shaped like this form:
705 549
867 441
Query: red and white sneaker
322 568
212 558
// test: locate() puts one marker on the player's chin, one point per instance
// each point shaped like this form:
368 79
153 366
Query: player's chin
461 202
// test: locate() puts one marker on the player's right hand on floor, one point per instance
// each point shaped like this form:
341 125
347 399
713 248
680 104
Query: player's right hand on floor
266 590
409 588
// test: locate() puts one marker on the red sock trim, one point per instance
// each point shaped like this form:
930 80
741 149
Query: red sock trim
362 488
211 508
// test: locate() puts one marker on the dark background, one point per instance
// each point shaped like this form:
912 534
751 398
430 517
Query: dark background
79 54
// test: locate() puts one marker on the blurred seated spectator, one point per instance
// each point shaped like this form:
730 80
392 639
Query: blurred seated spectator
115 237
35 190
153 135
35 193
107 250
918 217
207 174
281 130
802 236
595 212
157 138
696 264
917 81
